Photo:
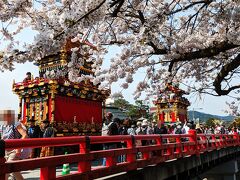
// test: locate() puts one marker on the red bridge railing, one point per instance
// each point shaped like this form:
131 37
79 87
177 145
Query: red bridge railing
158 148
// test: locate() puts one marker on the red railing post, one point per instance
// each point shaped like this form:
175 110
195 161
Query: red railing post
218 141
236 138
146 155
193 138
159 143
221 141
2 159
178 142
131 144
214 137
159 140
111 160
205 144
230 140
224 140
48 173
84 148
227 140
185 148
214 142
169 150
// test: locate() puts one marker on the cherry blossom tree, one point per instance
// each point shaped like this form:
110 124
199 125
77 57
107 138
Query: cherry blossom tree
194 42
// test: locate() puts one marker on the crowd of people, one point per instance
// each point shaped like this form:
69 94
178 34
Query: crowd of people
115 126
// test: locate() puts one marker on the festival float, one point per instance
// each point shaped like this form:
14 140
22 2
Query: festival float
73 108
171 105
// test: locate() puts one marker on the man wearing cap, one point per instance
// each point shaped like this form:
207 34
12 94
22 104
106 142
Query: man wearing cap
34 132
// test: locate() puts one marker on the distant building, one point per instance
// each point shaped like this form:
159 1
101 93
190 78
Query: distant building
117 112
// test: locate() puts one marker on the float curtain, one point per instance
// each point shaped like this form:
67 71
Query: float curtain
84 110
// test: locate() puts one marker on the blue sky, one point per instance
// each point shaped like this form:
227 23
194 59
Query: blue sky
209 104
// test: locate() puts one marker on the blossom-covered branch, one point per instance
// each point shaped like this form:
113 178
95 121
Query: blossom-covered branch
231 66
190 41
215 49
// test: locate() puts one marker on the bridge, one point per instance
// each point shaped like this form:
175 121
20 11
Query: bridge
165 157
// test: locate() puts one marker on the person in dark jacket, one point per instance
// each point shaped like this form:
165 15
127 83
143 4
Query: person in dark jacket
114 127
34 131
48 132
160 130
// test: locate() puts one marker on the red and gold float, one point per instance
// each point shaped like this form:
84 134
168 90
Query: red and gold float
72 108
171 105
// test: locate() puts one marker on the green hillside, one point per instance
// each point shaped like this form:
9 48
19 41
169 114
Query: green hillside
203 116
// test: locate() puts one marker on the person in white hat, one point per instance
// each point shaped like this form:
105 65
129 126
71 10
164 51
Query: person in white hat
139 124
139 128
145 123
146 127
146 131
143 128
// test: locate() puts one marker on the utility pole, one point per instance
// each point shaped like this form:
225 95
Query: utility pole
193 113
